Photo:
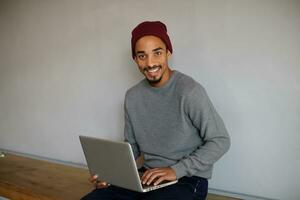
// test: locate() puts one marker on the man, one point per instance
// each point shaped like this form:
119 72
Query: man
171 121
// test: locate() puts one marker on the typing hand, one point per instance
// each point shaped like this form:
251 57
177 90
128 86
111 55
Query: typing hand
97 183
156 175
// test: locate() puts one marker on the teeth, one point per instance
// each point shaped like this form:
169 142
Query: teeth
153 70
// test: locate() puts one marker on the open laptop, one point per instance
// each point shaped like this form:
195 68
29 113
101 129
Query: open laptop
114 162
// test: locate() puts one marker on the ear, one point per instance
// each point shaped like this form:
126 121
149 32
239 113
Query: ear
169 54
135 59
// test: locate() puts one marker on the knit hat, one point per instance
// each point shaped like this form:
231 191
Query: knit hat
155 28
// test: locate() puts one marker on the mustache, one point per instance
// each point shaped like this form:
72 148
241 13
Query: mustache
146 69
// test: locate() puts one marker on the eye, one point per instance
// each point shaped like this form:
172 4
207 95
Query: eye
141 56
158 53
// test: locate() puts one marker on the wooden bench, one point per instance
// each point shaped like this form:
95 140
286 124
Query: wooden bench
23 178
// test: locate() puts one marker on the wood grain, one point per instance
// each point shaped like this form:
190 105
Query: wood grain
23 178
26 178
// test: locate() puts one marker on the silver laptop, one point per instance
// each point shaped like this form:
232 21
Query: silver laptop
114 162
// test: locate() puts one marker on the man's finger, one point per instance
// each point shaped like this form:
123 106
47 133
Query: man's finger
155 175
93 178
102 184
146 176
161 179
149 173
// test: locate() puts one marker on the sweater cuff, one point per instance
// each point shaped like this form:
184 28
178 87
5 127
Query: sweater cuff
179 170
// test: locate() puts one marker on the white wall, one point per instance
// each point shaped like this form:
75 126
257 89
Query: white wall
65 67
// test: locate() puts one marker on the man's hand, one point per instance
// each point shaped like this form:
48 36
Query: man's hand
97 183
157 175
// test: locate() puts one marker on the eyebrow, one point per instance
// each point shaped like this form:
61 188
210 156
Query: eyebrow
156 49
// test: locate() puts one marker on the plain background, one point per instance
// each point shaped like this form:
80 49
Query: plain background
65 67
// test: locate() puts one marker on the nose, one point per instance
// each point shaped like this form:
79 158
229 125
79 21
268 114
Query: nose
150 61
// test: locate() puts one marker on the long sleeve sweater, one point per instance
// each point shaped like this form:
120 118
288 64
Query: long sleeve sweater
175 126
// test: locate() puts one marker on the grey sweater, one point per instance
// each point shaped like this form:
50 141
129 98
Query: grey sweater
175 125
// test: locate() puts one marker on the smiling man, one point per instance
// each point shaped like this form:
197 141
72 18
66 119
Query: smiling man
170 120
152 60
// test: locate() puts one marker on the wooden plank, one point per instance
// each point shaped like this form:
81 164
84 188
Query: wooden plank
21 176
218 197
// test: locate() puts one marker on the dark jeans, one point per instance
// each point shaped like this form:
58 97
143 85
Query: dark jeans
187 188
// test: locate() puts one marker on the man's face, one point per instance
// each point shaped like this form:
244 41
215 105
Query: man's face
151 56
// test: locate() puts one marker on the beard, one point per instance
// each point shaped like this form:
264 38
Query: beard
153 80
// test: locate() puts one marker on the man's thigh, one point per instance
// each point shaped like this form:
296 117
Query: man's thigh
111 193
187 188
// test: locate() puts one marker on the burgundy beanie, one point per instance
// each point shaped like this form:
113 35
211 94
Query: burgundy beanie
155 28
